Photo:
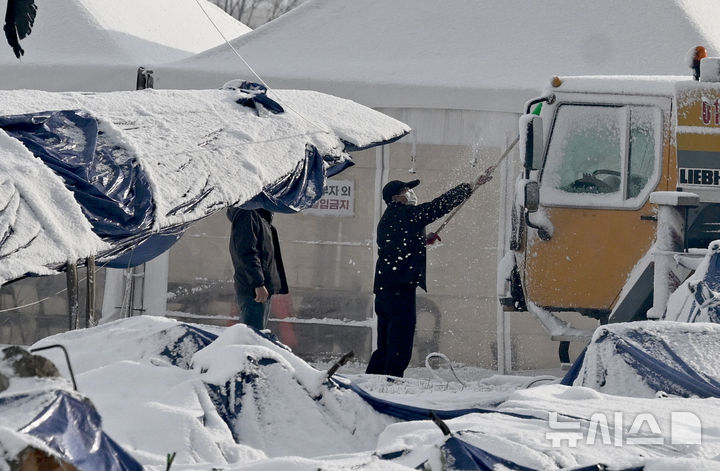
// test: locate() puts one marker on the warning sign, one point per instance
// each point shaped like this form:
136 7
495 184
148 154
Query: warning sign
338 199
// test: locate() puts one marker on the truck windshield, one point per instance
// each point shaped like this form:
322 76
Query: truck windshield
605 152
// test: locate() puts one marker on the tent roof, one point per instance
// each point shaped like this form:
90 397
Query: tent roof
137 32
459 54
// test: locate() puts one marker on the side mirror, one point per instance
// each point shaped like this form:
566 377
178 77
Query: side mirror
531 139
532 196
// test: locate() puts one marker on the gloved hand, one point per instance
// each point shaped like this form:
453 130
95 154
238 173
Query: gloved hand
485 177
431 238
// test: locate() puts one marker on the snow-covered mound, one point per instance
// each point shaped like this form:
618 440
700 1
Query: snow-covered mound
234 398
641 359
145 378
48 425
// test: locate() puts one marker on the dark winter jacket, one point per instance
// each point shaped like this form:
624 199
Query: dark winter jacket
255 252
401 238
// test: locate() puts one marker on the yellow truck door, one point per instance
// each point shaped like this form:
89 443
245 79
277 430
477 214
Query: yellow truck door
604 157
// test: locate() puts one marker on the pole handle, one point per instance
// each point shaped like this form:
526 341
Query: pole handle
488 171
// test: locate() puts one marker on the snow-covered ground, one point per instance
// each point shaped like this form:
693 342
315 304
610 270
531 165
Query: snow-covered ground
243 401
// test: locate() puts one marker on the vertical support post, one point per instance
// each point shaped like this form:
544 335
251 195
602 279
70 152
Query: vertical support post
144 79
503 340
90 316
71 276
669 240
382 169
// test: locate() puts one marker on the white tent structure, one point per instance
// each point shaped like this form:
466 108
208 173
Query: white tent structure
463 54
458 72
98 45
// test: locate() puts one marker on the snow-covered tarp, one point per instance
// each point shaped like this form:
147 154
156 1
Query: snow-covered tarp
234 398
645 358
697 299
97 174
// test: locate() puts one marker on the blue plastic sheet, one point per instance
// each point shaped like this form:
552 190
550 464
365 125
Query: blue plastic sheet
407 412
115 194
72 428
146 247
256 94
299 190
105 179
574 370
705 290
656 363
182 349
460 455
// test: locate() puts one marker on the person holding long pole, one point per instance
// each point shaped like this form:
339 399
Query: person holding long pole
400 267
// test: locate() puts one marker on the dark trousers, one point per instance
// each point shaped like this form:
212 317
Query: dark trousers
395 309
253 313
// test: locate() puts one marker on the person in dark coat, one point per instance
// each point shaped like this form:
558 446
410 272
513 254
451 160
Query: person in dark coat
259 271
400 268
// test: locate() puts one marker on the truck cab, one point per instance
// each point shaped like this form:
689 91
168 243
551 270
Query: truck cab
585 226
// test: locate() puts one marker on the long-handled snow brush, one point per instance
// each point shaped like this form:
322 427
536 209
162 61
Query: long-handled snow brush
434 236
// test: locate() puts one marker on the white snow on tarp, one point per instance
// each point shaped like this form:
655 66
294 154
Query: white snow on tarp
606 369
38 213
459 54
291 419
187 142
283 406
136 32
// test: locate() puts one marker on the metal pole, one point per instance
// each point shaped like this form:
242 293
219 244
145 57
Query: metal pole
504 352
72 295
669 241
90 315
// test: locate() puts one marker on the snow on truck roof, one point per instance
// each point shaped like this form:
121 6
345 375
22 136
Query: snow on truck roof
621 84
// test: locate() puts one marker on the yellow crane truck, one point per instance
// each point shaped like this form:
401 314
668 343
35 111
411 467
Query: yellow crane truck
620 191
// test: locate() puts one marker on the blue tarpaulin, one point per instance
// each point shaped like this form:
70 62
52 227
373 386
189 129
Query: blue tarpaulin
701 303
460 455
114 193
143 166
298 190
193 339
106 180
660 364
407 412
72 427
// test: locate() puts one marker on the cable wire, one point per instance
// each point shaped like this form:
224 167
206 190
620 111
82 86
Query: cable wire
322 128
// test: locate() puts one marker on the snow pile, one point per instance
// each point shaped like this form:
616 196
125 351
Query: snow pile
242 388
246 402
